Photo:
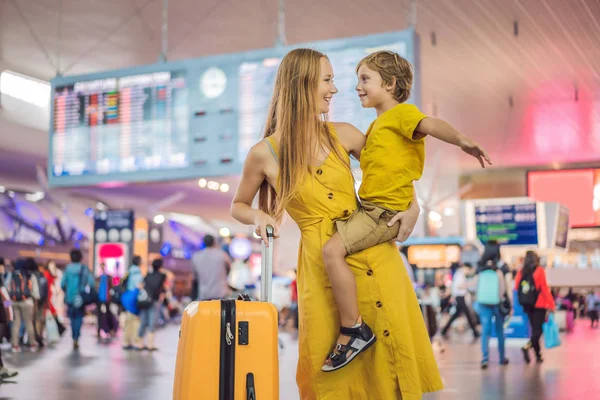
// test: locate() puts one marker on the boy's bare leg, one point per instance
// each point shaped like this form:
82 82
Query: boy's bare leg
343 284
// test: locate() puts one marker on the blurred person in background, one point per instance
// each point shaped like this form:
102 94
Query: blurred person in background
107 322
536 299
431 307
5 318
49 271
240 275
593 306
211 269
40 296
8 271
154 284
134 282
459 292
20 291
491 292
5 328
71 284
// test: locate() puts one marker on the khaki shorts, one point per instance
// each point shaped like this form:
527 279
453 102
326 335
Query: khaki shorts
367 227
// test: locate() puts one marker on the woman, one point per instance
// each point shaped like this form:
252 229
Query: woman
491 292
154 283
107 321
49 272
537 309
303 167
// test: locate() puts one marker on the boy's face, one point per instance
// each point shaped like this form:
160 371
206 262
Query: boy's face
326 88
371 89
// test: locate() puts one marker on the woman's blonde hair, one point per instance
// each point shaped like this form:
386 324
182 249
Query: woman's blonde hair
294 113
392 67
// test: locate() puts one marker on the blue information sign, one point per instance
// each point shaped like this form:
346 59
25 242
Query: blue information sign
517 325
513 224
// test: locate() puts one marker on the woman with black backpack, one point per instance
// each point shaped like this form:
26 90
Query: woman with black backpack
536 299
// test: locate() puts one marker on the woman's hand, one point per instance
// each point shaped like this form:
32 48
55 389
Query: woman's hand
408 220
261 221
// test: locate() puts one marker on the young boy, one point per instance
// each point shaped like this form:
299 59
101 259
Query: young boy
393 157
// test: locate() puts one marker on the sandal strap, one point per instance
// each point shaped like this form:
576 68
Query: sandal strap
351 331
362 332
342 348
343 351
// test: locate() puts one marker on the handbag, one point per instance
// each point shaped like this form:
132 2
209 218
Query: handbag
505 306
52 332
87 293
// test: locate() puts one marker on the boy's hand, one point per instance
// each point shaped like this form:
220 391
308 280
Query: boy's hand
473 149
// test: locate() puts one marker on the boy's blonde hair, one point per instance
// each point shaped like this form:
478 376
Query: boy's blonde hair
391 66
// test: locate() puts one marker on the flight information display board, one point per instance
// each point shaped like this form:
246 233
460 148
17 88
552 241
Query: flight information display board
190 118
513 224
119 125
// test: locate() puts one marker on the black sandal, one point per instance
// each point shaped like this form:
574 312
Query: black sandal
361 338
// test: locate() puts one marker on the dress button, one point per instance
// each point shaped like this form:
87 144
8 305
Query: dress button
319 171
370 272
378 304
386 333
330 196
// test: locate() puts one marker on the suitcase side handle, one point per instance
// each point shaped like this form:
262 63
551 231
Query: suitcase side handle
250 390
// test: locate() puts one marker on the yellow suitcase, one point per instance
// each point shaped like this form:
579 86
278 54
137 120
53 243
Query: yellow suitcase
228 349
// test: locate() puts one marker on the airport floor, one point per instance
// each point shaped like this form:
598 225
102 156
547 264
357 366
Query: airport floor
105 371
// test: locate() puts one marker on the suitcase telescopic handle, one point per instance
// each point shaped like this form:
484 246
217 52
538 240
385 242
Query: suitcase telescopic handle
266 292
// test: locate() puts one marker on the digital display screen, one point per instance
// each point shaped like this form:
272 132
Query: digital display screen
190 118
116 125
514 224
257 80
577 189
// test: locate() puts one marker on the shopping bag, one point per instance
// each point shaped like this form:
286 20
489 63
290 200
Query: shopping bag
52 333
551 333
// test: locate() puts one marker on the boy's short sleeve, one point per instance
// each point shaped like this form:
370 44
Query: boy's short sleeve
405 119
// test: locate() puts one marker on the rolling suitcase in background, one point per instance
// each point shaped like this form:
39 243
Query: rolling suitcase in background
228 349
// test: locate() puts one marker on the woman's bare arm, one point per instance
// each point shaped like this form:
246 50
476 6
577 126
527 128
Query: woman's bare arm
351 138
253 175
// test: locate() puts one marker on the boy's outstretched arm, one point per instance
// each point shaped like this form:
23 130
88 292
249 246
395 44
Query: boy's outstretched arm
445 132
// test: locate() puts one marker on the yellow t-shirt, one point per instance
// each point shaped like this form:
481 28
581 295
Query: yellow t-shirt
392 159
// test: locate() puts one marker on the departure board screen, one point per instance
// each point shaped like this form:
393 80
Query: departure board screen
116 125
190 118
514 224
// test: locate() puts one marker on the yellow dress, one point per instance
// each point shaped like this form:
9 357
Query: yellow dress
400 365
